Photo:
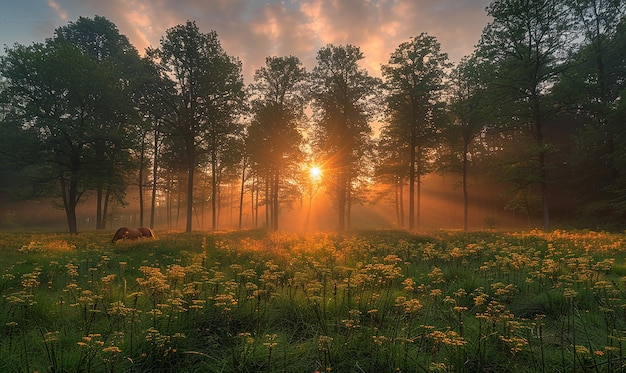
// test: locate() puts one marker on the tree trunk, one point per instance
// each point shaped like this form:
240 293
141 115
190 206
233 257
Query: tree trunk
256 202
267 202
99 224
243 180
190 181
168 208
218 198
418 180
275 201
544 192
348 207
396 201
202 200
105 208
542 164
401 203
141 194
70 195
140 184
412 182
231 204
71 220
213 190
465 195
341 203
154 177
178 205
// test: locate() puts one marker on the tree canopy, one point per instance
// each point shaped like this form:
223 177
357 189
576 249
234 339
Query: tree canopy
76 112
208 94
536 110
343 98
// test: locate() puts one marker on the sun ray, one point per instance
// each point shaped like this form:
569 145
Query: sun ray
315 172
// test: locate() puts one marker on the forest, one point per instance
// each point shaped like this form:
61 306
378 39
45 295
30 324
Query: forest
537 111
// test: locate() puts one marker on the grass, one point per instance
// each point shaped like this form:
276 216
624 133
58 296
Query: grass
379 301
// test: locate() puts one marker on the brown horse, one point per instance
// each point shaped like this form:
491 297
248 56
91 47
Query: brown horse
131 234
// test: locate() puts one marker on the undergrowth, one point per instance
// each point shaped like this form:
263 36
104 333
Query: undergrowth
379 301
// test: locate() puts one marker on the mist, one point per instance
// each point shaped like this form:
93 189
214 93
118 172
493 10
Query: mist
441 208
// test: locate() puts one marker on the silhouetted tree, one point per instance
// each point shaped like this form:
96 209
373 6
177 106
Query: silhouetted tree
209 93
152 96
468 116
415 76
591 92
62 98
343 100
392 168
278 99
100 39
527 44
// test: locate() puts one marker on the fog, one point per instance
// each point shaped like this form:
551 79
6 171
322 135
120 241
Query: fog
441 208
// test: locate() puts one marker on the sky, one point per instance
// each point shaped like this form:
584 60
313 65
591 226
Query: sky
252 30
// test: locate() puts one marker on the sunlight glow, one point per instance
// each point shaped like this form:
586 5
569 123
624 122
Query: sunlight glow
315 172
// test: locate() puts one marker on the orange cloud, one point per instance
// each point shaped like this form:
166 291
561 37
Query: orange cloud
57 8
141 24
255 29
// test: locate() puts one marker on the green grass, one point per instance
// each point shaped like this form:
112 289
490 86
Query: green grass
375 301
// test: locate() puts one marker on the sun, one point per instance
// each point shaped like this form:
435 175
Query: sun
315 172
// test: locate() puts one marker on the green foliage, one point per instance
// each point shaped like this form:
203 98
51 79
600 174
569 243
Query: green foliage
69 112
206 100
344 98
541 97
274 141
368 301
415 77
526 45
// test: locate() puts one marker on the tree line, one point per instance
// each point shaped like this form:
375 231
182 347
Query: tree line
538 106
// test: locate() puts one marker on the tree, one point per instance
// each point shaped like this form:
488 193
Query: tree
150 131
61 98
590 90
18 150
100 39
617 188
278 109
343 97
229 169
415 76
392 167
151 95
527 44
467 94
209 93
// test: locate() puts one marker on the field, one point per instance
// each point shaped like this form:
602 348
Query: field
379 301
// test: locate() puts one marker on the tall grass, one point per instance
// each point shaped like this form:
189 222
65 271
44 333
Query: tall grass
363 302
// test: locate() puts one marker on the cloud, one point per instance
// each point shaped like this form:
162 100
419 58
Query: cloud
456 24
253 30
57 8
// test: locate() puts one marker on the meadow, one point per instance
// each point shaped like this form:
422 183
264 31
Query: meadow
376 301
